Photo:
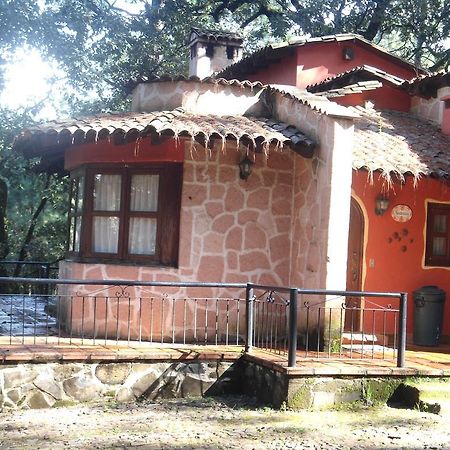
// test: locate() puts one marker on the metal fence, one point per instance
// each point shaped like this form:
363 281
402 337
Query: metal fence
28 269
304 323
292 322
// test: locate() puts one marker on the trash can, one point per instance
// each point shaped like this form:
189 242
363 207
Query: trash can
428 315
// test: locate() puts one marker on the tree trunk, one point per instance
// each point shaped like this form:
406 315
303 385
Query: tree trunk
30 233
376 20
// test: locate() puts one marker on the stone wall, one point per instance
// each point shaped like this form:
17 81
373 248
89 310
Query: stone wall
314 392
46 385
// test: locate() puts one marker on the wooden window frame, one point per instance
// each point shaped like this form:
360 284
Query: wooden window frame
167 215
434 209
75 213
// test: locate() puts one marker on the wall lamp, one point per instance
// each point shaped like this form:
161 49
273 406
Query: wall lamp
245 167
381 205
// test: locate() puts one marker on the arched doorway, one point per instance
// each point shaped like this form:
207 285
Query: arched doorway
354 265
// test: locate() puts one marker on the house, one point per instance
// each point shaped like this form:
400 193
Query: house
160 194
399 237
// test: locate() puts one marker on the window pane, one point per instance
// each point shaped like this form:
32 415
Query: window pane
105 234
439 246
76 245
440 223
142 236
79 205
144 192
107 192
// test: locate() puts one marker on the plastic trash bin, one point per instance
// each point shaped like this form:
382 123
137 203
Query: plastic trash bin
428 314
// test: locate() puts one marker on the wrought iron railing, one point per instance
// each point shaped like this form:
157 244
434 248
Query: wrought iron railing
100 311
292 322
304 323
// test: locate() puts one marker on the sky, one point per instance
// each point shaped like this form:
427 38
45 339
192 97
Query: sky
23 91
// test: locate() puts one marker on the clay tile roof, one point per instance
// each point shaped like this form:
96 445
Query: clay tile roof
216 34
428 85
355 76
318 103
209 80
275 52
399 143
124 127
355 88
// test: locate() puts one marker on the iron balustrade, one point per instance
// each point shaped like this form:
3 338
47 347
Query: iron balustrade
318 323
289 321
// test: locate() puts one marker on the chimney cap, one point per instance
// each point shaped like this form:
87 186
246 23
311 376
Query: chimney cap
206 34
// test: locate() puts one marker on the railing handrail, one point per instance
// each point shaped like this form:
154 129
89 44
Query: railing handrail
129 283
326 291
124 282
249 287
37 263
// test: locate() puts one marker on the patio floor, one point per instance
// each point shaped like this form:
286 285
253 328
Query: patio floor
420 361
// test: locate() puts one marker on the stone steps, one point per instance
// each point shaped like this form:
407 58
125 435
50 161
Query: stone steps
369 339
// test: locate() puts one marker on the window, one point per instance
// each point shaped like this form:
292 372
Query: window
209 51
231 52
438 235
193 51
126 214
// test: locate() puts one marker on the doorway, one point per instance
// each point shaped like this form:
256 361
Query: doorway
354 266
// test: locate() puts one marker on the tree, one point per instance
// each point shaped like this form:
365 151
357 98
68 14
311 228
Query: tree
99 47
414 29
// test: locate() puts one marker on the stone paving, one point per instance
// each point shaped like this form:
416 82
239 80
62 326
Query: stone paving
26 315
215 424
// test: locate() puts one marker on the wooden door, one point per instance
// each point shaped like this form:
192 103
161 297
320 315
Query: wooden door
354 266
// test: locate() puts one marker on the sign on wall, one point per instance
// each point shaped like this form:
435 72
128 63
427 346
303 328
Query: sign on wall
401 213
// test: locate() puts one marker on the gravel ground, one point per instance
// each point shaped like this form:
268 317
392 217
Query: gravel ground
213 424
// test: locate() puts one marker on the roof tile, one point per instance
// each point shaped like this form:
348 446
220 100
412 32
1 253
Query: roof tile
32 141
399 143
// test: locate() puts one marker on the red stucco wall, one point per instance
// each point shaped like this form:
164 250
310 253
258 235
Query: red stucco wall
317 61
386 97
394 252
283 72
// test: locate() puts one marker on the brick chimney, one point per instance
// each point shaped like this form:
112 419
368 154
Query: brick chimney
212 51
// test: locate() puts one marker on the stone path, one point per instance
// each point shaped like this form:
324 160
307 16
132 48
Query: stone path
216 424
26 315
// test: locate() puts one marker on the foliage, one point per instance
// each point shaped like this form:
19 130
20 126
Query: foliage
100 45
414 29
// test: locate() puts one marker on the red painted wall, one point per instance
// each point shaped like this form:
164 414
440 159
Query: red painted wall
283 72
386 97
316 61
107 152
394 252
312 59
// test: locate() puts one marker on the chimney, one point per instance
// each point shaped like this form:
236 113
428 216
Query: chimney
212 51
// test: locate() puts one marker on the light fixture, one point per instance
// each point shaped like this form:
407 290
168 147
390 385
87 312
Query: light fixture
381 205
245 167
347 53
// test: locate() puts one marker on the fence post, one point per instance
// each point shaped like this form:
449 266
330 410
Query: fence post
292 336
402 329
249 303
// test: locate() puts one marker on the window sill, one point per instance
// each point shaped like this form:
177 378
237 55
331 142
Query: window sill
119 262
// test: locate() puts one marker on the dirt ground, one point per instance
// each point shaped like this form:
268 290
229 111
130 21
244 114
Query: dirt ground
232 423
